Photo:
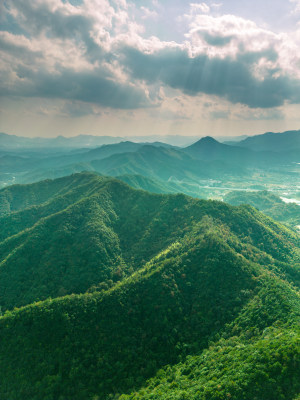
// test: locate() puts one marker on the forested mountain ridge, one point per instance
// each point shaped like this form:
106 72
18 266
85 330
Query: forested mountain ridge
78 238
167 281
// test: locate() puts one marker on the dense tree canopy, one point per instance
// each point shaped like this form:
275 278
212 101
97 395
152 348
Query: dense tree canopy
133 295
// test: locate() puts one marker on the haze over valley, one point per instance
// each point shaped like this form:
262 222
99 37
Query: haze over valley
205 169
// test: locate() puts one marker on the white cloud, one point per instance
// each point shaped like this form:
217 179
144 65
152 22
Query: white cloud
199 7
216 5
296 5
229 35
147 13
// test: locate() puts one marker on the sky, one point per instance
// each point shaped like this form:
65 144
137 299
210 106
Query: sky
149 67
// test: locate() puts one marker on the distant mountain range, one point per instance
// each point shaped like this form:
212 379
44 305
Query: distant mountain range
124 294
270 141
205 159
17 142
156 161
13 142
160 168
210 149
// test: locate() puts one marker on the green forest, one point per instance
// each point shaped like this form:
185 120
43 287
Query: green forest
269 204
108 292
149 200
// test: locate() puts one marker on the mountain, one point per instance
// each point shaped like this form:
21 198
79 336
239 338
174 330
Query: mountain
270 141
210 149
28 166
176 297
64 236
269 204
159 163
13 142
163 164
97 153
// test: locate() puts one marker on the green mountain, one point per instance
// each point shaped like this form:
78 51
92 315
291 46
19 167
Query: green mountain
271 141
208 148
163 164
177 298
268 203
157 161
28 161
98 153
68 234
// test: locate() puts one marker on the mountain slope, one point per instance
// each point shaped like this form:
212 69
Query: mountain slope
260 364
80 238
148 184
18 197
102 344
167 281
163 164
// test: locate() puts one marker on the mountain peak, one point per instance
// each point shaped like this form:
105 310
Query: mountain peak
208 139
205 142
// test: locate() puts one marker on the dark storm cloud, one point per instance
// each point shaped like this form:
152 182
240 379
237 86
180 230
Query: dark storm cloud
230 78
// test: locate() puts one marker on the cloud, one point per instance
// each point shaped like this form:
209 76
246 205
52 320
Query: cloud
216 40
216 5
94 51
297 5
92 87
18 46
77 109
53 19
219 115
148 13
228 78
67 54
230 31
260 115
199 7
